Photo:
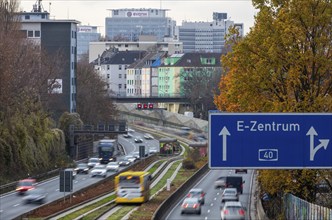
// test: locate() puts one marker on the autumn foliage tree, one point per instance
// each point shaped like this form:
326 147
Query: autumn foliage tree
282 65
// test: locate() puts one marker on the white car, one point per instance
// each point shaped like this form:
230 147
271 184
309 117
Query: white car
93 161
99 170
113 166
233 210
148 137
130 158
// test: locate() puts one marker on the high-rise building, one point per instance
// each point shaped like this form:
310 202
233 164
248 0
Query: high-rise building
205 36
55 36
128 24
85 35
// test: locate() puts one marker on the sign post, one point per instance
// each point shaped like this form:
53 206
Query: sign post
270 140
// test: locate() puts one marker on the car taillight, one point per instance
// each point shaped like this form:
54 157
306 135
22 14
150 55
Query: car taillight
185 205
188 195
226 212
195 206
241 212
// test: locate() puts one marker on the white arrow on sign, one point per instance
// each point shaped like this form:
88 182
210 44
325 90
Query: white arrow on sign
224 132
323 143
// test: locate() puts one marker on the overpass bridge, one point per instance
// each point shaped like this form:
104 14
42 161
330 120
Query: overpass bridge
169 98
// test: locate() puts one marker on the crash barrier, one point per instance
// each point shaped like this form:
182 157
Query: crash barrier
296 208
179 194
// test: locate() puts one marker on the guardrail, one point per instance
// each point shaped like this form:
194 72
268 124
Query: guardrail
179 193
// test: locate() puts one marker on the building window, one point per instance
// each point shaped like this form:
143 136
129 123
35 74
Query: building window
108 76
120 76
108 86
37 33
125 86
30 34
120 67
108 67
43 16
125 76
27 17
120 86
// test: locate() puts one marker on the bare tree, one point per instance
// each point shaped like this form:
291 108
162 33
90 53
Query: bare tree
200 85
93 103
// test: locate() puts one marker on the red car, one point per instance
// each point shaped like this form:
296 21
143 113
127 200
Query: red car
25 185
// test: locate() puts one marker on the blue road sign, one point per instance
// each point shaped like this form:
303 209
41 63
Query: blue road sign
270 140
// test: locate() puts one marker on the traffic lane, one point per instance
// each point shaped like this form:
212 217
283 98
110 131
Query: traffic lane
12 204
211 208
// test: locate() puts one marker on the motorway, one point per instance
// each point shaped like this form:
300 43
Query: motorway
11 204
211 208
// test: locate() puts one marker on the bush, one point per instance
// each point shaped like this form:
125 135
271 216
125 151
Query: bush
188 164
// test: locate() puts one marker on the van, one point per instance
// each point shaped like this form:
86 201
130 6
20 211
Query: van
235 182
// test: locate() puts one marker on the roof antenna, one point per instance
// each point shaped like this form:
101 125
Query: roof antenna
37 7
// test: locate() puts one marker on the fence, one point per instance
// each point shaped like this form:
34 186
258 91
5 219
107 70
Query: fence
296 208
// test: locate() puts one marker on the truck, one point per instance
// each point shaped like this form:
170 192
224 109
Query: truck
235 182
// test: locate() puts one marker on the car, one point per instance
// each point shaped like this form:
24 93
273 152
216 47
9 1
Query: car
93 161
127 135
241 171
36 195
99 170
232 210
153 150
148 136
113 166
124 162
220 182
73 172
25 185
82 168
229 194
138 140
197 193
131 158
191 205
135 154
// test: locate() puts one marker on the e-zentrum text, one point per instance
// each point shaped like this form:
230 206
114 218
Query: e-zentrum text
263 127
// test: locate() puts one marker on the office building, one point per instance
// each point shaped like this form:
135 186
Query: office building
205 36
54 37
85 35
128 24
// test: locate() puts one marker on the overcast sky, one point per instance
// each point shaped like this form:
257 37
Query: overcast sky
94 12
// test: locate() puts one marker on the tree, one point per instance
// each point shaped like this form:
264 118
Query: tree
207 81
93 103
283 65
28 142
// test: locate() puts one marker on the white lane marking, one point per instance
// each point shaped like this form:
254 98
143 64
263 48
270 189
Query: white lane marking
205 218
56 190
16 205
215 199
209 211
211 204
217 194
1 211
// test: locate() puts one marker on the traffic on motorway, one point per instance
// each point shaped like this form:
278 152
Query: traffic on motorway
19 202
224 201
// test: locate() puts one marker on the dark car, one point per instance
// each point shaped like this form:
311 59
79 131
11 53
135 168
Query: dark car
241 171
138 140
197 193
82 168
25 185
36 195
